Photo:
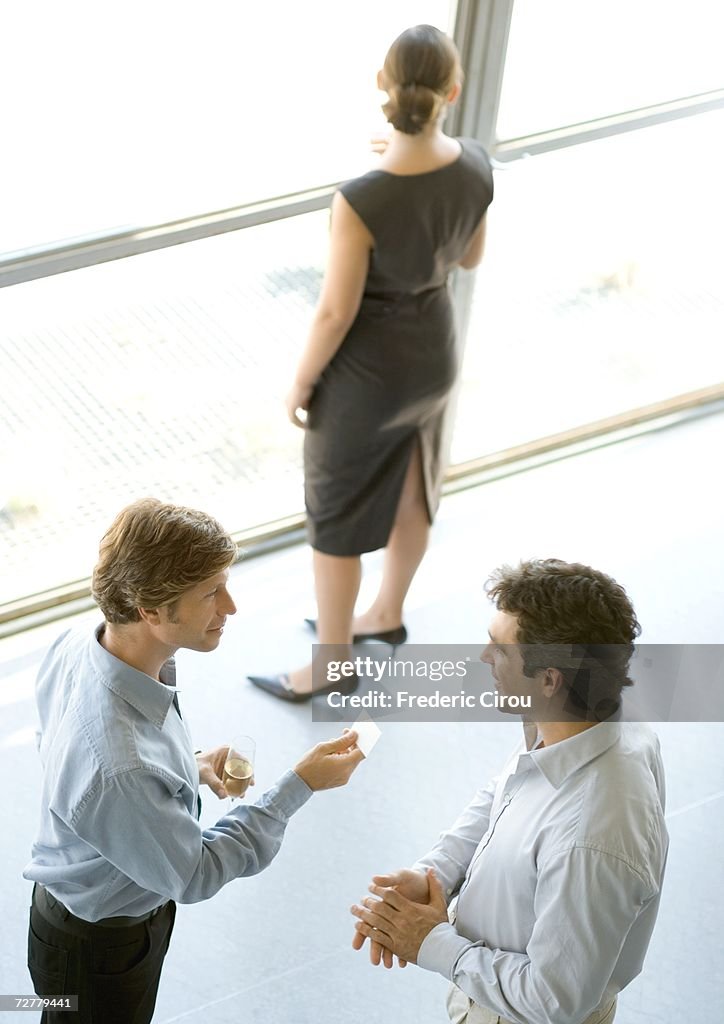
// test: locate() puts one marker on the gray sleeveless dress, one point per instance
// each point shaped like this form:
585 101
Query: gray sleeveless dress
389 382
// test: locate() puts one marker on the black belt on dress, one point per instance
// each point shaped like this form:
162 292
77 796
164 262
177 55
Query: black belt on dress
57 914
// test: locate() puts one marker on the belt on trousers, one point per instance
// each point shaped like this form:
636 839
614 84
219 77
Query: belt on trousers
57 914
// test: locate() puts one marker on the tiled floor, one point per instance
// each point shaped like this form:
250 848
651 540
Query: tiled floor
276 947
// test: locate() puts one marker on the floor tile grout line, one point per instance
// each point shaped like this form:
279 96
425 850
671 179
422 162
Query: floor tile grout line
250 988
697 803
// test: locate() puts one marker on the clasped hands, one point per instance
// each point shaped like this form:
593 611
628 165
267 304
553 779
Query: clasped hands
403 909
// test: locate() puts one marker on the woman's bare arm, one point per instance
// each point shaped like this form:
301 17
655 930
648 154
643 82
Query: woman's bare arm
474 252
349 248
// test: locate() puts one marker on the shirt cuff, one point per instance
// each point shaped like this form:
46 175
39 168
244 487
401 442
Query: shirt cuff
423 865
288 794
441 949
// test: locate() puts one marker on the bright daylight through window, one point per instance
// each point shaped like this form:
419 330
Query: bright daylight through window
163 373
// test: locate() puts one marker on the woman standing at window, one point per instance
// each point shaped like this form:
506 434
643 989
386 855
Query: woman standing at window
378 367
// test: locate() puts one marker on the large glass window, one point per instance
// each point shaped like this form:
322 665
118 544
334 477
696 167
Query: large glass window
126 115
601 289
569 62
164 373
161 375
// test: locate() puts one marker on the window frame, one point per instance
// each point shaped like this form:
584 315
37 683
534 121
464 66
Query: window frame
481 33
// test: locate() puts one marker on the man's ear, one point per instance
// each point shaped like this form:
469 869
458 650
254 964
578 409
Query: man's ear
150 615
552 682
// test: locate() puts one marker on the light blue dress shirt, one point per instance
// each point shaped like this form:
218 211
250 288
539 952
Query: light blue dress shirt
118 831
559 864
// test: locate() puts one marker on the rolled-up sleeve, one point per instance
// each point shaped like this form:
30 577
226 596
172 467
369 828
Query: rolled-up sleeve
586 902
145 831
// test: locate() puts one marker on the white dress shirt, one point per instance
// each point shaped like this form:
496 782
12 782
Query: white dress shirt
559 864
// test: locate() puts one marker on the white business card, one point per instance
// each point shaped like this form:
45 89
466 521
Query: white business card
368 733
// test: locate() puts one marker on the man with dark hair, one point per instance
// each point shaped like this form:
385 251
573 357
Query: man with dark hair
574 618
539 903
119 842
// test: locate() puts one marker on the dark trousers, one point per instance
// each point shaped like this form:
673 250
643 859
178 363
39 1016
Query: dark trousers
114 971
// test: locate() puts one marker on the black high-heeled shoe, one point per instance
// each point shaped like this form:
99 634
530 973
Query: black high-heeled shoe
393 637
280 687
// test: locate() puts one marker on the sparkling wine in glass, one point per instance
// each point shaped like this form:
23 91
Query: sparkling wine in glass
239 766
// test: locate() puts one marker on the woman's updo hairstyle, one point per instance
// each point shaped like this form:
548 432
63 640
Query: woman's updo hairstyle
420 69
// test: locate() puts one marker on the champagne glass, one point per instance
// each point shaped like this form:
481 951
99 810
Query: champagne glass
239 766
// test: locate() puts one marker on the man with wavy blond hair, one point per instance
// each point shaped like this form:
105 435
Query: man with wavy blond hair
119 842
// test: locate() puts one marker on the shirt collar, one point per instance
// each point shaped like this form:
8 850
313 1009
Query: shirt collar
558 762
147 695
